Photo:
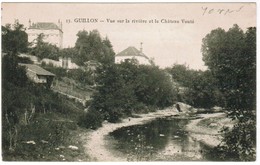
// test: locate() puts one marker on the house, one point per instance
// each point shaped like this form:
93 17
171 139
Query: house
132 53
38 75
53 33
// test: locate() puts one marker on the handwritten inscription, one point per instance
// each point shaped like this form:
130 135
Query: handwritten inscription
208 11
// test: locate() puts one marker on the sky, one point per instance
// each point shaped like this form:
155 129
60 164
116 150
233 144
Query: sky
171 33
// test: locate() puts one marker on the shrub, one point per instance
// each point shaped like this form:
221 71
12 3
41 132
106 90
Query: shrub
234 147
92 119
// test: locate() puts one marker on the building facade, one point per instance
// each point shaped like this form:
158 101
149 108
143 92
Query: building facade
52 32
132 53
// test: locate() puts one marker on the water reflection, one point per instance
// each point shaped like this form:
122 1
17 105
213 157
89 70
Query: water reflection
161 139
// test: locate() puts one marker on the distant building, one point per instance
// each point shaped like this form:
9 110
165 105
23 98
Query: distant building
38 74
132 53
53 33
54 63
64 62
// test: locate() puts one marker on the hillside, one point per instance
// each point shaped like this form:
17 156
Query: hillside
73 89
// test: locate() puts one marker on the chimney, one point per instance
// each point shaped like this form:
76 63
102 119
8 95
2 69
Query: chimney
141 47
29 22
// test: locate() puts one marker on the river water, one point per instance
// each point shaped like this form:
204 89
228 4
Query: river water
163 139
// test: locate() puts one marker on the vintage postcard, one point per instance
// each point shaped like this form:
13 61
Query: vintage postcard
131 82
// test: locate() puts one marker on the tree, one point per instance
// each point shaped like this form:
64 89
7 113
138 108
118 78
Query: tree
14 81
14 38
127 87
200 86
154 87
44 49
90 46
68 52
231 57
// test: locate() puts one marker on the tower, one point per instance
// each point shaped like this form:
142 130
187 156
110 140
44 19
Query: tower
141 47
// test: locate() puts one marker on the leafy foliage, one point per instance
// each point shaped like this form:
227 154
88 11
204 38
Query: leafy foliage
126 88
199 87
231 58
44 49
23 102
68 52
29 108
91 119
90 46
14 38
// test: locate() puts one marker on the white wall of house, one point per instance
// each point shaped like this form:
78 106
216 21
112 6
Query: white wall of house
141 60
72 65
52 62
63 62
52 36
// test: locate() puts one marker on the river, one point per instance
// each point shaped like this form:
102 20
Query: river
158 140
157 136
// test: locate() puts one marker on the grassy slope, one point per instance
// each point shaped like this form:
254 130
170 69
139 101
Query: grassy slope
53 133
71 87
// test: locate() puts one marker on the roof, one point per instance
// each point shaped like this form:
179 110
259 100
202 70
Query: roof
132 51
44 26
38 70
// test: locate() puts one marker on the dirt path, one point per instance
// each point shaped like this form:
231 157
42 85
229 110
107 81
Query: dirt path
96 143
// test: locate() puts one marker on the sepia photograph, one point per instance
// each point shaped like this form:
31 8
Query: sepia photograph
128 82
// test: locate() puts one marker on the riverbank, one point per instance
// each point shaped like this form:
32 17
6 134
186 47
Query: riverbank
95 140
205 129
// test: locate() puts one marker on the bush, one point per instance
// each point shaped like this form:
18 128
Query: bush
235 148
84 77
92 119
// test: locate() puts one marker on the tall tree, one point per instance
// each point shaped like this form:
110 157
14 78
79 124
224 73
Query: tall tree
14 38
90 46
231 57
